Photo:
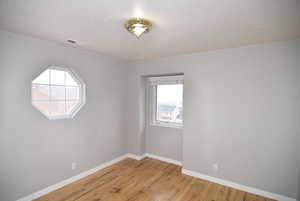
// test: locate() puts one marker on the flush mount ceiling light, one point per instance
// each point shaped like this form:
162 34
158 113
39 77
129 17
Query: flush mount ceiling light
138 26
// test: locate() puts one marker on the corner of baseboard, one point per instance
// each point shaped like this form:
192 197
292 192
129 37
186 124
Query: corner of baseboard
237 186
168 160
161 158
136 157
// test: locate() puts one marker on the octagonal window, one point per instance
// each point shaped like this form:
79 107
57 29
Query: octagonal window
58 93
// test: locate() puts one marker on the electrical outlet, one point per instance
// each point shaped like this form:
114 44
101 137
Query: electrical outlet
73 166
216 167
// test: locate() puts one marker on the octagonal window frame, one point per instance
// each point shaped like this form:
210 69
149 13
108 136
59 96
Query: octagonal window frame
82 93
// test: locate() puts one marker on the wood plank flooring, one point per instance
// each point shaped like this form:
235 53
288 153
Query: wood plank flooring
146 180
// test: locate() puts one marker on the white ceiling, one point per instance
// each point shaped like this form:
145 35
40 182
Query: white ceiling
179 26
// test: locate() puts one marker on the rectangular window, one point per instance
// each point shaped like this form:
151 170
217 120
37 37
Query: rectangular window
166 98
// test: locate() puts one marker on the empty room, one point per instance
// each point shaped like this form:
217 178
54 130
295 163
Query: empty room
150 100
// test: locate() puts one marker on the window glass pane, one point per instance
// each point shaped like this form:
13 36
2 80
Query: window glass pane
70 81
57 77
57 108
58 93
72 93
40 92
43 106
71 105
169 103
42 78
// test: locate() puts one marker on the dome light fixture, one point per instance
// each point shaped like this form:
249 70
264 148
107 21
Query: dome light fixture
138 26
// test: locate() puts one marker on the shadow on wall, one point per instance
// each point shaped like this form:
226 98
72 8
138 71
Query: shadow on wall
299 186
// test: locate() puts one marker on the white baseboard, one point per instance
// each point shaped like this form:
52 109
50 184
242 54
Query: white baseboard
70 180
184 171
136 157
168 160
238 186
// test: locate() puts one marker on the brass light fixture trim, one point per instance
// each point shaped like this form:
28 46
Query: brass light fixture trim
138 26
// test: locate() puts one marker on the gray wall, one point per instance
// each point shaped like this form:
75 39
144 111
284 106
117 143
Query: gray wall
36 152
299 186
241 110
164 141
136 114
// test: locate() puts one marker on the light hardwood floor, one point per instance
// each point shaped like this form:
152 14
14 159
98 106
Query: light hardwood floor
146 180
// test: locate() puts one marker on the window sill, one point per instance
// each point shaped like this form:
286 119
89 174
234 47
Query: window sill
167 125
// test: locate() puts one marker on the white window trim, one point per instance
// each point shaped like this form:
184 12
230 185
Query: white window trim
176 79
152 94
82 94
